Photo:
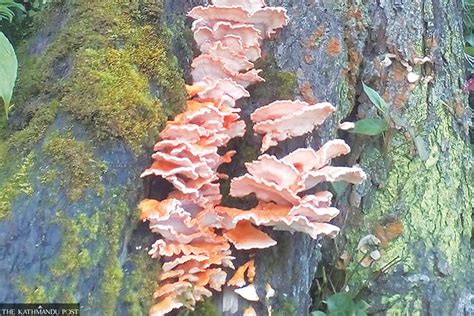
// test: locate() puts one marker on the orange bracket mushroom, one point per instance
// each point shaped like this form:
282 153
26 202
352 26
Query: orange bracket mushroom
197 235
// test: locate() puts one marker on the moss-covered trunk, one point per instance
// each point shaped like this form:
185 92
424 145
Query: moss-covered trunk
419 197
98 78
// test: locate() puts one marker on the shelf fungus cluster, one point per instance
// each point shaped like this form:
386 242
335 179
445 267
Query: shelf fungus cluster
197 234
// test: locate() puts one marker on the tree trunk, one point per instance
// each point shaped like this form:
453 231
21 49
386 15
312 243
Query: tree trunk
93 77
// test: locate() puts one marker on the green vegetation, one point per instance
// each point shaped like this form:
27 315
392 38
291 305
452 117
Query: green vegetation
343 304
88 241
22 142
18 183
286 309
278 85
125 81
75 161
140 283
204 308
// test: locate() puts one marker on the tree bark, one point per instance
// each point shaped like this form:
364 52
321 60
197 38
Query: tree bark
420 171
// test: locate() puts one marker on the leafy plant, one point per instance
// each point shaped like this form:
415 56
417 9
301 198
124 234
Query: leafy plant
370 126
7 7
342 304
468 20
373 126
8 60
376 99
8 69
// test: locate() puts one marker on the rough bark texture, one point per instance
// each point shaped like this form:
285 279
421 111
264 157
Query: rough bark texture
68 230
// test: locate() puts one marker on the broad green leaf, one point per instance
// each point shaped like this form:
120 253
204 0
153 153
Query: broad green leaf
376 99
370 126
318 313
6 11
8 71
343 304
469 50
340 303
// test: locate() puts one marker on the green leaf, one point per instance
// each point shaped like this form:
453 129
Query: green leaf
469 50
318 313
8 69
343 304
376 99
370 126
339 302
6 11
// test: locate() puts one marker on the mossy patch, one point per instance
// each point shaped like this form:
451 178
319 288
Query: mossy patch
286 309
111 66
278 84
22 142
75 161
204 308
89 242
140 283
109 94
18 183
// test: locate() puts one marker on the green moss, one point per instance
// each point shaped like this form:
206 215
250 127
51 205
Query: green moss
109 94
153 57
22 142
286 309
75 160
278 85
204 308
113 274
88 242
110 65
140 284
417 190
15 185
31 295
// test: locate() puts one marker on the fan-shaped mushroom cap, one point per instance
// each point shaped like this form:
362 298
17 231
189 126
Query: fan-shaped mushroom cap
238 279
232 59
302 159
250 311
249 5
207 68
267 20
289 120
155 209
353 175
177 288
246 236
188 132
223 87
170 249
264 190
165 306
280 217
306 159
167 266
277 109
215 278
173 146
314 214
207 37
249 293
271 169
